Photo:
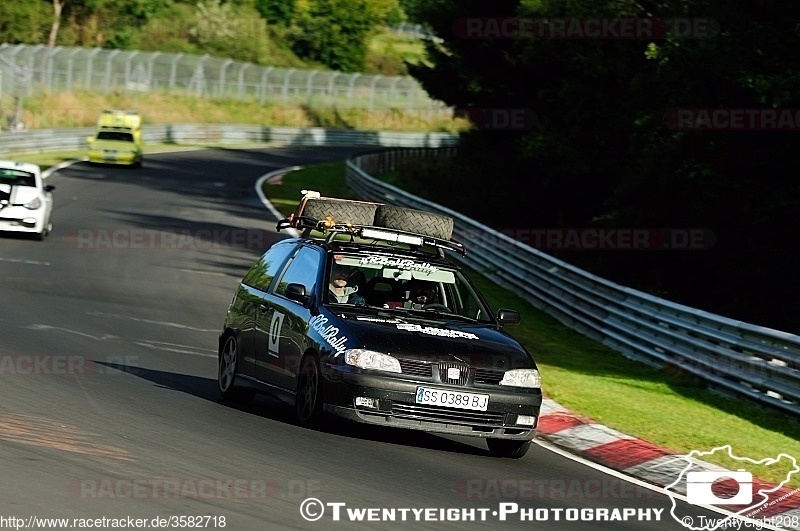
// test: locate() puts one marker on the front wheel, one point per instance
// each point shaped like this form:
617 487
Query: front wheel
508 448
308 402
226 376
40 236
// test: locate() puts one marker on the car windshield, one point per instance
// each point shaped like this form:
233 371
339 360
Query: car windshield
17 177
403 284
115 135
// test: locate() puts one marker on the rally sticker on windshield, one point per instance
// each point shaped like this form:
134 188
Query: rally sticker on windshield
441 332
400 263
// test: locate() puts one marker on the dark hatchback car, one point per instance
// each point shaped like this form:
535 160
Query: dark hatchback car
375 324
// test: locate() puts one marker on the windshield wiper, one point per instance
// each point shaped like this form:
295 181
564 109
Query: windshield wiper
442 312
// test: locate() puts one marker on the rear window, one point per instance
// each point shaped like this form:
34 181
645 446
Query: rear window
115 135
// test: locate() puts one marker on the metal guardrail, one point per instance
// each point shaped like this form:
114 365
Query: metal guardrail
748 360
75 139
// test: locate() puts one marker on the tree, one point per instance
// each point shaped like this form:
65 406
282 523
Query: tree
335 32
58 7
278 12
23 21
108 23
605 150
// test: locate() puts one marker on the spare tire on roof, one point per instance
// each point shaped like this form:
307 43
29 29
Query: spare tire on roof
341 211
412 220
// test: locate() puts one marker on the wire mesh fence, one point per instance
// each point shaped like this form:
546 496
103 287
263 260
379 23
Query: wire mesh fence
26 70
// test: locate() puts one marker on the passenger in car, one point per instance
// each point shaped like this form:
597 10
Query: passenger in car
384 292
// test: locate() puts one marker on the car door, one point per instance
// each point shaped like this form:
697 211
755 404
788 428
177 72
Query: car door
251 301
280 335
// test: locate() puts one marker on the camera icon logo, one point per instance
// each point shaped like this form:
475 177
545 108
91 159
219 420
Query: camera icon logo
699 489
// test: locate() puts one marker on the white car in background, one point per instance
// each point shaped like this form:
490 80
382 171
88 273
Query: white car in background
26 203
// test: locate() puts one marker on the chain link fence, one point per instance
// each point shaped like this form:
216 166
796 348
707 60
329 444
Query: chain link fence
27 70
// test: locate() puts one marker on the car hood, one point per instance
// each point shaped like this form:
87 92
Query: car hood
412 337
20 195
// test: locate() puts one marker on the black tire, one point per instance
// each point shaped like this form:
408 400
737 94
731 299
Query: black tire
308 402
40 236
341 211
412 220
508 448
226 375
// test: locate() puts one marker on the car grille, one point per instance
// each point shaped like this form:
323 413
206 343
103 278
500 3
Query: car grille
447 415
466 374
488 376
416 368
463 373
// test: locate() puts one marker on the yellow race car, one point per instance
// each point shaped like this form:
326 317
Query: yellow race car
118 139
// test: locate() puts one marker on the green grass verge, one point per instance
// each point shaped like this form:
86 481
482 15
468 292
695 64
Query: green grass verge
658 406
80 108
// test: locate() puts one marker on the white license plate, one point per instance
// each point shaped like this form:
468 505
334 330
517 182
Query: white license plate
456 399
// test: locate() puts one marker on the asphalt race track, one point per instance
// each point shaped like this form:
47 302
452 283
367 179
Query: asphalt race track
108 396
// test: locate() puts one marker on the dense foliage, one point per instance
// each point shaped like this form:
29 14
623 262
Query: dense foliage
291 33
606 150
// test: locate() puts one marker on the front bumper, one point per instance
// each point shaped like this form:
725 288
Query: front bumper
394 405
21 219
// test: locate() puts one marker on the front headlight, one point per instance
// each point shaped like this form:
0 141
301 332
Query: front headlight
367 359
522 378
33 205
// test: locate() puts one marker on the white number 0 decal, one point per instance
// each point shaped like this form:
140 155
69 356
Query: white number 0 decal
275 333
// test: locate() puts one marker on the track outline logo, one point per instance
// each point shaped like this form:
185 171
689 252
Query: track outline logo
755 499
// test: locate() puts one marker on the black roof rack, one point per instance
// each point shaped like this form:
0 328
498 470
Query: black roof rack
330 228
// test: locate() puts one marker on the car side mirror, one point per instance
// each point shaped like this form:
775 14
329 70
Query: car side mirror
296 292
48 188
90 139
507 317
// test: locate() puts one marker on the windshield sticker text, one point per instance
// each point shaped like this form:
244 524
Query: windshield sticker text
441 332
399 263
375 319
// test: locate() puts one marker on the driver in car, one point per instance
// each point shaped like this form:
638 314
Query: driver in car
418 294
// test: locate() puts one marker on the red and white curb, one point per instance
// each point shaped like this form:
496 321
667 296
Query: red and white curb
653 464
